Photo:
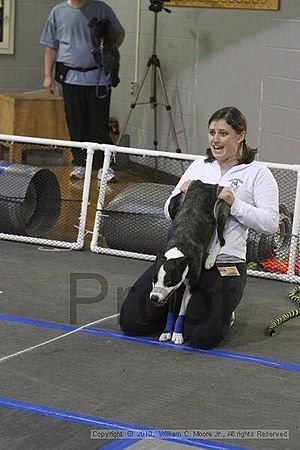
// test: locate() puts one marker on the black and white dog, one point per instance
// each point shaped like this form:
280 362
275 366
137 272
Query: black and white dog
106 53
196 215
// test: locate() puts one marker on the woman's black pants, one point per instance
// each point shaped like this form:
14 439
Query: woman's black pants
208 313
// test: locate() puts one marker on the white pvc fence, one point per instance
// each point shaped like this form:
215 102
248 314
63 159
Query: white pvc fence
73 236
129 220
286 267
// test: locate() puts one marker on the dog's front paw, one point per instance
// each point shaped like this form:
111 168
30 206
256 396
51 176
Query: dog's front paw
177 338
166 336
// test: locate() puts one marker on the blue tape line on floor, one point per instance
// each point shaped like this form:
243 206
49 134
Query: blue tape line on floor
112 334
119 445
111 424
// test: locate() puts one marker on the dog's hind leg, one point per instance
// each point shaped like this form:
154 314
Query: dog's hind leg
211 258
177 336
221 212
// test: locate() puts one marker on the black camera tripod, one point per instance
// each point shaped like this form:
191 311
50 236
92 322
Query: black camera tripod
154 63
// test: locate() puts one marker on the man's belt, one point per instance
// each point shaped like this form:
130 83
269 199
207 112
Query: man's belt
61 71
81 69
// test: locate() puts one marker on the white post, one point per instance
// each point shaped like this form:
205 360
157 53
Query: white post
101 198
295 229
85 194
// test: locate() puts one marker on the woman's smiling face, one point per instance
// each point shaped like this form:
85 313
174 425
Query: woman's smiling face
224 142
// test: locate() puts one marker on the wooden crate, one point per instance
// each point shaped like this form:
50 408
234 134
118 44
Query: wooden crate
34 114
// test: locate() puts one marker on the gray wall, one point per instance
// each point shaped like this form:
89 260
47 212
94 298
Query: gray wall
210 58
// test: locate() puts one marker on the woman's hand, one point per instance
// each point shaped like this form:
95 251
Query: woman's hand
227 195
184 187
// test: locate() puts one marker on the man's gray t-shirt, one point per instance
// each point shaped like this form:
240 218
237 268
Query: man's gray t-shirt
67 31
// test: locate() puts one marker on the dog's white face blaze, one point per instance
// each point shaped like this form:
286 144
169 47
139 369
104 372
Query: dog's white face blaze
159 288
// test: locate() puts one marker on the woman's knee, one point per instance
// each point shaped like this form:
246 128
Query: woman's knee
139 317
204 337
130 327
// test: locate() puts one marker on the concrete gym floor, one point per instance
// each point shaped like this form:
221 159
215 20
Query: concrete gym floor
56 390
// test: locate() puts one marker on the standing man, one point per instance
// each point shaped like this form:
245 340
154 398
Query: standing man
85 86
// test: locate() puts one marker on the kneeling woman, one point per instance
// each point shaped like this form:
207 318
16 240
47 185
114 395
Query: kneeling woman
252 192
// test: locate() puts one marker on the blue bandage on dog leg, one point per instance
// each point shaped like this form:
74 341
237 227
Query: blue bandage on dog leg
170 322
179 324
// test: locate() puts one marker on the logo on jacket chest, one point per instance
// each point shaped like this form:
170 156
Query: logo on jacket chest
235 184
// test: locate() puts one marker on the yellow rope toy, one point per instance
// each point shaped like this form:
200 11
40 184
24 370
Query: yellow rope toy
294 295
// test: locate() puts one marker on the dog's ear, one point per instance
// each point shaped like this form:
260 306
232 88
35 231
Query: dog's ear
175 204
160 259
